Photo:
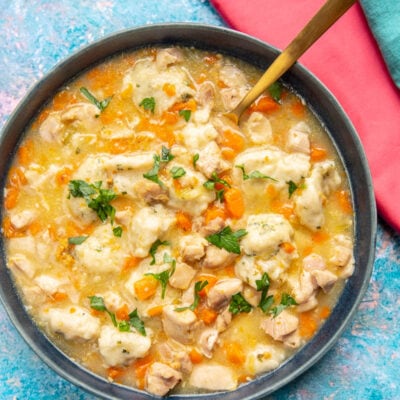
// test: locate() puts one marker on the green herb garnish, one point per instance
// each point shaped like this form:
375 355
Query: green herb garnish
210 184
198 287
148 103
254 174
239 304
154 247
292 187
263 287
101 105
177 172
185 114
275 90
77 239
163 277
286 301
97 303
227 239
165 157
195 159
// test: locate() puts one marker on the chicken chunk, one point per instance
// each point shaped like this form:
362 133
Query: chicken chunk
207 340
221 293
298 138
281 326
182 276
258 128
324 279
175 355
161 378
192 247
179 325
51 129
150 191
343 255
167 57
213 377
22 219
217 258
119 348
73 322
313 262
264 358
210 160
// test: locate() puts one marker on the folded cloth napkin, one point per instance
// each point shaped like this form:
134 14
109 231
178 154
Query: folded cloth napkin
348 61
384 19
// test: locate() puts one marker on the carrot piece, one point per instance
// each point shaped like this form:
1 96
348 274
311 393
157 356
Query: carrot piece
207 315
325 312
234 202
145 287
16 177
298 108
140 367
35 227
288 247
115 372
169 89
344 201
211 279
195 356
214 212
170 118
307 325
234 353
184 105
264 104
62 99
320 237
155 311
131 263
228 153
232 139
317 154
210 59
183 221
59 296
122 313
25 153
63 176
229 271
11 198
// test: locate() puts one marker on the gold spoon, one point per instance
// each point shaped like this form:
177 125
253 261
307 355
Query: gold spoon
328 14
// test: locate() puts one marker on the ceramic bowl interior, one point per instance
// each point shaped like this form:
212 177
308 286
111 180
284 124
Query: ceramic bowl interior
327 110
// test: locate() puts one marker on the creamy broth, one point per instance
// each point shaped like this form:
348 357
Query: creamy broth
160 245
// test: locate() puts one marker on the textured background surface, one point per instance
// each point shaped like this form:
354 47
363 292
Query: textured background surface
35 35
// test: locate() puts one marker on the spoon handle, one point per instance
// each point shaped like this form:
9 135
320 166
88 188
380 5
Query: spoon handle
328 14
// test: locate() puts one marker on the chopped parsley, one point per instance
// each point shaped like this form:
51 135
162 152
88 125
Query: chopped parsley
239 304
97 198
198 287
185 114
227 239
275 91
254 174
163 277
101 105
97 303
212 184
77 239
148 103
154 247
165 157
263 287
177 172
195 159
286 301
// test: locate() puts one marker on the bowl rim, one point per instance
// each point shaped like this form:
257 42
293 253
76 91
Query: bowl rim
183 33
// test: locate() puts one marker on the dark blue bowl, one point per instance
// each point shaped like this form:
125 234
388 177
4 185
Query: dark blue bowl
324 106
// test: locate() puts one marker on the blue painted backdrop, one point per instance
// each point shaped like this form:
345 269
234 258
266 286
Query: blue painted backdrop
34 36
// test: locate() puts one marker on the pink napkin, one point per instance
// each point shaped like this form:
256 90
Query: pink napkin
347 60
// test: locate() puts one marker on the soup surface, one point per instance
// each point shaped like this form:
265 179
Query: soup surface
160 245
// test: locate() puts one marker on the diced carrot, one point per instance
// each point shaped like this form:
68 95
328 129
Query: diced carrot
183 221
140 367
229 271
344 201
320 236
25 153
211 279
96 313
195 356
272 191
131 263
221 84
59 296
317 154
286 209
228 153
63 176
307 324
155 311
234 202
288 247
62 99
213 212
232 139
202 77
11 198
16 177
170 117
245 378
169 89
41 118
163 132
264 104
325 312
307 250
127 92
35 227
234 353
122 313
115 372
298 108
8 230
185 105
207 315
145 287
210 59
